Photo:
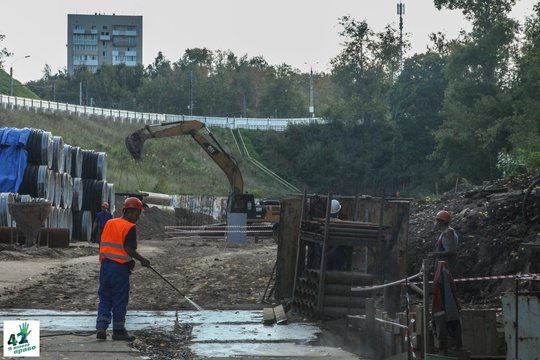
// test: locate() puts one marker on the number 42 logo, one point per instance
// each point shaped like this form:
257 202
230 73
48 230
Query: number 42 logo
23 334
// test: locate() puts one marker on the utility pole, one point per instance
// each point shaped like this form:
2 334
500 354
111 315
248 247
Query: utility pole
54 88
191 93
311 107
401 12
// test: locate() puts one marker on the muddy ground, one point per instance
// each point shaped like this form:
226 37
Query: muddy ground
219 275
209 271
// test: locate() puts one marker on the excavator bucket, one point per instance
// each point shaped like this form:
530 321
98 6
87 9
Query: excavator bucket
134 144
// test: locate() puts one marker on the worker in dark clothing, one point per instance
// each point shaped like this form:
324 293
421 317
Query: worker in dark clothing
336 254
116 255
446 246
101 219
446 309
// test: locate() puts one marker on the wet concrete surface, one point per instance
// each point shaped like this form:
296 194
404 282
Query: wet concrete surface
215 334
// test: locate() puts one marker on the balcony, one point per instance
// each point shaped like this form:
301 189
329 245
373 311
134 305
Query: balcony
120 42
85 62
124 33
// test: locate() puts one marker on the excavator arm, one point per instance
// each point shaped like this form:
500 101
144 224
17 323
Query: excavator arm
135 143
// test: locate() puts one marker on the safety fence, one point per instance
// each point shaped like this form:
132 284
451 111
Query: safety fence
405 331
494 277
221 230
117 115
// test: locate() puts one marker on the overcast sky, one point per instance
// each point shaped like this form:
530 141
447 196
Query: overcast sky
294 32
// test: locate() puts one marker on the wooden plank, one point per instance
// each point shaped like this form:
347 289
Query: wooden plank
268 316
281 317
480 331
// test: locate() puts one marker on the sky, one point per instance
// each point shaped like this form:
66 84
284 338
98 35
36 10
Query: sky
300 33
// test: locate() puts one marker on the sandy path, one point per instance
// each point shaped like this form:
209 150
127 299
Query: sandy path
23 272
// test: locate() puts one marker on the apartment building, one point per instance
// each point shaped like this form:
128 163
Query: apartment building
95 40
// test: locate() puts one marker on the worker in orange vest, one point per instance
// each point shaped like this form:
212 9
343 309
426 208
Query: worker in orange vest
116 255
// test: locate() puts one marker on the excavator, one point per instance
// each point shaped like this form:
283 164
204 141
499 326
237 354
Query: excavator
238 201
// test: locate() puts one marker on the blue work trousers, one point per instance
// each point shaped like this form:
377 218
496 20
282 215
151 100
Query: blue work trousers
113 294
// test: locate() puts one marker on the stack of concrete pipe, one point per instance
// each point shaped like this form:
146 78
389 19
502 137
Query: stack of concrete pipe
338 299
72 179
161 201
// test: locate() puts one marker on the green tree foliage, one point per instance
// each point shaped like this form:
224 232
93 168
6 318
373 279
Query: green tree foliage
364 72
525 137
416 104
465 109
283 96
477 104
4 53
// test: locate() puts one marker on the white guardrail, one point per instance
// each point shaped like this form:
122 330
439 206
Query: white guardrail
13 102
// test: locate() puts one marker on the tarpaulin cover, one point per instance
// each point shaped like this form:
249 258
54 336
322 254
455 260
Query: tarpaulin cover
13 157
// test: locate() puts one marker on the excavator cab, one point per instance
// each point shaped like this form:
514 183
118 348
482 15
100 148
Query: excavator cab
241 203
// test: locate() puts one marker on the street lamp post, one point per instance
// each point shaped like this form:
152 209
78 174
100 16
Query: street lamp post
11 74
311 107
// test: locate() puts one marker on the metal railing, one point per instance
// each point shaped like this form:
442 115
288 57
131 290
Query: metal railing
13 102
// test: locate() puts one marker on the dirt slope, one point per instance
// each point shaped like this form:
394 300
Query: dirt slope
491 228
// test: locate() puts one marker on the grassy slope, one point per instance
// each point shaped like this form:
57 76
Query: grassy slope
174 165
18 88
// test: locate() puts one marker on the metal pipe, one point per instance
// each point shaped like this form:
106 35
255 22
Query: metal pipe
175 288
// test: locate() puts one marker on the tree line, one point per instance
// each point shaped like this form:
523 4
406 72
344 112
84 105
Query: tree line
465 110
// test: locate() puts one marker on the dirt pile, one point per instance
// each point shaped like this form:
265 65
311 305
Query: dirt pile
491 227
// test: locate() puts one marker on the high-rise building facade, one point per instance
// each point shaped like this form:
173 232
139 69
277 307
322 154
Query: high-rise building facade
99 39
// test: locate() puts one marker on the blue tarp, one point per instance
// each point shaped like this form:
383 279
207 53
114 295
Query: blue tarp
13 158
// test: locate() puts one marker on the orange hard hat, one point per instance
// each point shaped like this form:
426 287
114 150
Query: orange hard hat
133 203
105 205
443 215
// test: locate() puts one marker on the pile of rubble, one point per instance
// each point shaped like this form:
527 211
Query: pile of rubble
492 230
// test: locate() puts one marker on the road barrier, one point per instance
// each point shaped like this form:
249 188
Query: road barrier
117 115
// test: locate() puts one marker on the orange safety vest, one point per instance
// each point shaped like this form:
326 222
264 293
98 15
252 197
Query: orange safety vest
112 240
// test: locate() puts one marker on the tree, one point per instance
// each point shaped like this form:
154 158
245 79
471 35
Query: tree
160 66
364 72
416 102
525 125
477 104
282 96
4 53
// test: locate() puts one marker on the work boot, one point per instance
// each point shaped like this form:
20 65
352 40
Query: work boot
122 335
101 334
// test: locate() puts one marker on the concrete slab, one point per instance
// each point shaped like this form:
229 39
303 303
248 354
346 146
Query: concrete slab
279 351
215 334
221 333
77 347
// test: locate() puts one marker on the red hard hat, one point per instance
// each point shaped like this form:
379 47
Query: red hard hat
105 205
132 203
443 215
